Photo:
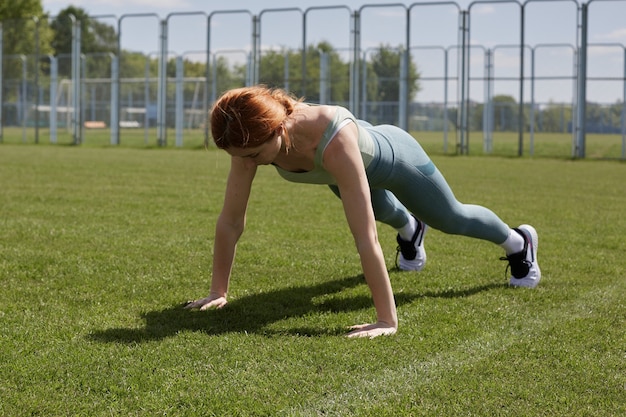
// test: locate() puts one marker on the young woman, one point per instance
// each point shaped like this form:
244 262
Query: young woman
379 172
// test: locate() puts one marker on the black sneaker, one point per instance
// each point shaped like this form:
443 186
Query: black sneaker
411 255
525 270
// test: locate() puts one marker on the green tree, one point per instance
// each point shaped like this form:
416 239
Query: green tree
19 20
272 72
385 67
338 74
23 21
98 41
553 118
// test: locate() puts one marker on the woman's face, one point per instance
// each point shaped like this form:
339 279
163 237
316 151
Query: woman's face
263 154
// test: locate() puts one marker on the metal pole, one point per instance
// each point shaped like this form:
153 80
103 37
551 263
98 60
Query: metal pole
36 79
520 126
403 90
324 77
624 111
488 109
531 150
179 104
445 102
1 81
23 98
54 75
355 66
579 150
115 88
286 83
162 88
114 116
76 80
256 50
463 145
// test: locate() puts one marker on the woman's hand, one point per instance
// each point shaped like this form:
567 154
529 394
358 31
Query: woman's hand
212 301
372 330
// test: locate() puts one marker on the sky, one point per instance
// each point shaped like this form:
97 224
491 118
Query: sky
550 30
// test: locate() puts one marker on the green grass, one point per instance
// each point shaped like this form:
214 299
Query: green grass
100 247
548 145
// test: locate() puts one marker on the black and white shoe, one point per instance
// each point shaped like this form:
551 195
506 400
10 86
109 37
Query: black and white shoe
411 255
525 270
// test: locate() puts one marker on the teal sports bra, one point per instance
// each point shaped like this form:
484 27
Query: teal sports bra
318 175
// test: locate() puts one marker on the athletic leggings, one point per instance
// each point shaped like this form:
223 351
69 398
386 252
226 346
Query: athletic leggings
403 180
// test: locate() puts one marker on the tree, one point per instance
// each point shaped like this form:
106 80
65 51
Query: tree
272 72
98 41
25 37
385 65
554 117
19 19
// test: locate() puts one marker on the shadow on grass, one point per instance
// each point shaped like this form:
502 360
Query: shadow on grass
253 313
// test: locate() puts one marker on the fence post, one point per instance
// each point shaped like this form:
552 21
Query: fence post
256 50
76 80
463 145
403 90
579 145
54 77
324 77
1 80
179 103
23 97
36 19
115 114
531 149
355 66
162 87
624 111
520 117
488 107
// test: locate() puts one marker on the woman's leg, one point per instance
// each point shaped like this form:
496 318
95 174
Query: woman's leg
387 208
404 168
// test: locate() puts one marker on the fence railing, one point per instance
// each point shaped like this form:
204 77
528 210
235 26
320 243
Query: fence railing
488 88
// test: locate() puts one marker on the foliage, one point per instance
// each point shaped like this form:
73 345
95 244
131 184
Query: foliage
98 40
23 21
19 18
385 65
272 72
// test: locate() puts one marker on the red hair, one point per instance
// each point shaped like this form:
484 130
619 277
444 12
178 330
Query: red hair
250 116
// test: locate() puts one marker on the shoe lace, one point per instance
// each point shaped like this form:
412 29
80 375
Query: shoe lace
398 250
518 264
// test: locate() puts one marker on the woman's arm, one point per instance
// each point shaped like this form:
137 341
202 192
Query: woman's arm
228 230
343 160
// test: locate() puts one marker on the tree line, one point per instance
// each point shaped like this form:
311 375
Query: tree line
29 31
24 21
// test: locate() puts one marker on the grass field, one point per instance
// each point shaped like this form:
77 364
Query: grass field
100 247
550 145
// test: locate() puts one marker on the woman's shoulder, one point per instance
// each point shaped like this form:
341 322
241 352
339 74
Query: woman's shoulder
315 115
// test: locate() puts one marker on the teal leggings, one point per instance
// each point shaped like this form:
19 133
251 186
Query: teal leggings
403 180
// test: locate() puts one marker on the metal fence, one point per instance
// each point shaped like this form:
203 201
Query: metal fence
467 88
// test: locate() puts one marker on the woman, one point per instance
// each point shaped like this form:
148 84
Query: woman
379 172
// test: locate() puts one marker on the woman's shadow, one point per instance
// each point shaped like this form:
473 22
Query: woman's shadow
254 313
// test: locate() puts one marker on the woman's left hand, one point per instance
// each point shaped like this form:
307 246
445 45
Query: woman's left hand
372 330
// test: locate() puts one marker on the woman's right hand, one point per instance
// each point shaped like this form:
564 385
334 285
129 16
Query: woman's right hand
212 301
